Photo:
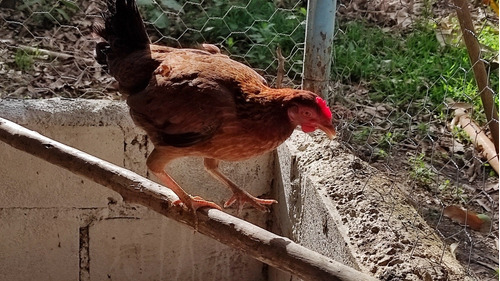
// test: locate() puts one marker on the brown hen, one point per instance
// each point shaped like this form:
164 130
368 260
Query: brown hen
199 102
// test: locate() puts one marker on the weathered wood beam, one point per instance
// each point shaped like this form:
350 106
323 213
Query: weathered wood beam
277 251
480 74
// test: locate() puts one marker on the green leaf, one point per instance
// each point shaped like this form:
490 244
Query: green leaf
172 4
62 13
71 5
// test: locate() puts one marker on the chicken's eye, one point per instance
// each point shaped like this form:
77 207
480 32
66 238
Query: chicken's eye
307 113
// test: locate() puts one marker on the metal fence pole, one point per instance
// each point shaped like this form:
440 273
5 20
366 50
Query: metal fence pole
318 45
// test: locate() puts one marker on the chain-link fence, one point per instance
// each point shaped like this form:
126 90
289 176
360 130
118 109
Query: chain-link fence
400 70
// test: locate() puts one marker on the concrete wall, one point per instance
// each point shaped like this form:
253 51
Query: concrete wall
55 225
337 205
302 214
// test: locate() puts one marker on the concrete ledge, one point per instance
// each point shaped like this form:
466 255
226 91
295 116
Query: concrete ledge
343 208
58 226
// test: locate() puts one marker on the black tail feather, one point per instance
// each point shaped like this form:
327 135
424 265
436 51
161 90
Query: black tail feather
124 51
123 30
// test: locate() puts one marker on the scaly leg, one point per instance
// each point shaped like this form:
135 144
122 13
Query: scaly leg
156 163
239 196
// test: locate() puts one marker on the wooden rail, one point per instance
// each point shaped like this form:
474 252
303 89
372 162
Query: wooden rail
277 251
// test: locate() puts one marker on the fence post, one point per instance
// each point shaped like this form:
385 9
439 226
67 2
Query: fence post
318 45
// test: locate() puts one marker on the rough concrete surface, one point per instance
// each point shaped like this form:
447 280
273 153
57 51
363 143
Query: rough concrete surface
143 247
20 171
39 244
360 217
59 226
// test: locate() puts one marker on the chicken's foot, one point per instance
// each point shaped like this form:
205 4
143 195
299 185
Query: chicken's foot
191 203
240 196
156 163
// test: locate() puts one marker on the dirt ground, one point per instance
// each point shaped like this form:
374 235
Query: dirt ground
473 187
470 187
59 63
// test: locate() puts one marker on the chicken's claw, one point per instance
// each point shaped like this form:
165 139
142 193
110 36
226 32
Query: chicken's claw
196 202
192 204
240 198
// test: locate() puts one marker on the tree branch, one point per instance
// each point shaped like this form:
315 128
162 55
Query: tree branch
281 68
480 74
261 244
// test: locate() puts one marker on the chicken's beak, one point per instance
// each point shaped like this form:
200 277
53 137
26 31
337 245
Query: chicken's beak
328 129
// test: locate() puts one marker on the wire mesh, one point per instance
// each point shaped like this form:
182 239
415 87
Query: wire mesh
47 51
415 137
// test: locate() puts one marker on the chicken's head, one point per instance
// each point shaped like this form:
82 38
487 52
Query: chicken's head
311 113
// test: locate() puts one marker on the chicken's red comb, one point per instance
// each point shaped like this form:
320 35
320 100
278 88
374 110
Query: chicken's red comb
324 107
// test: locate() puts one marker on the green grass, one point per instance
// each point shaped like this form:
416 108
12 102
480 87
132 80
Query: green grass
411 71
248 30
397 68
256 30
403 67
24 60
400 68
420 172
47 14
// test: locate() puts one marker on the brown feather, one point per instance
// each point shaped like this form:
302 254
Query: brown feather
199 102
226 103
